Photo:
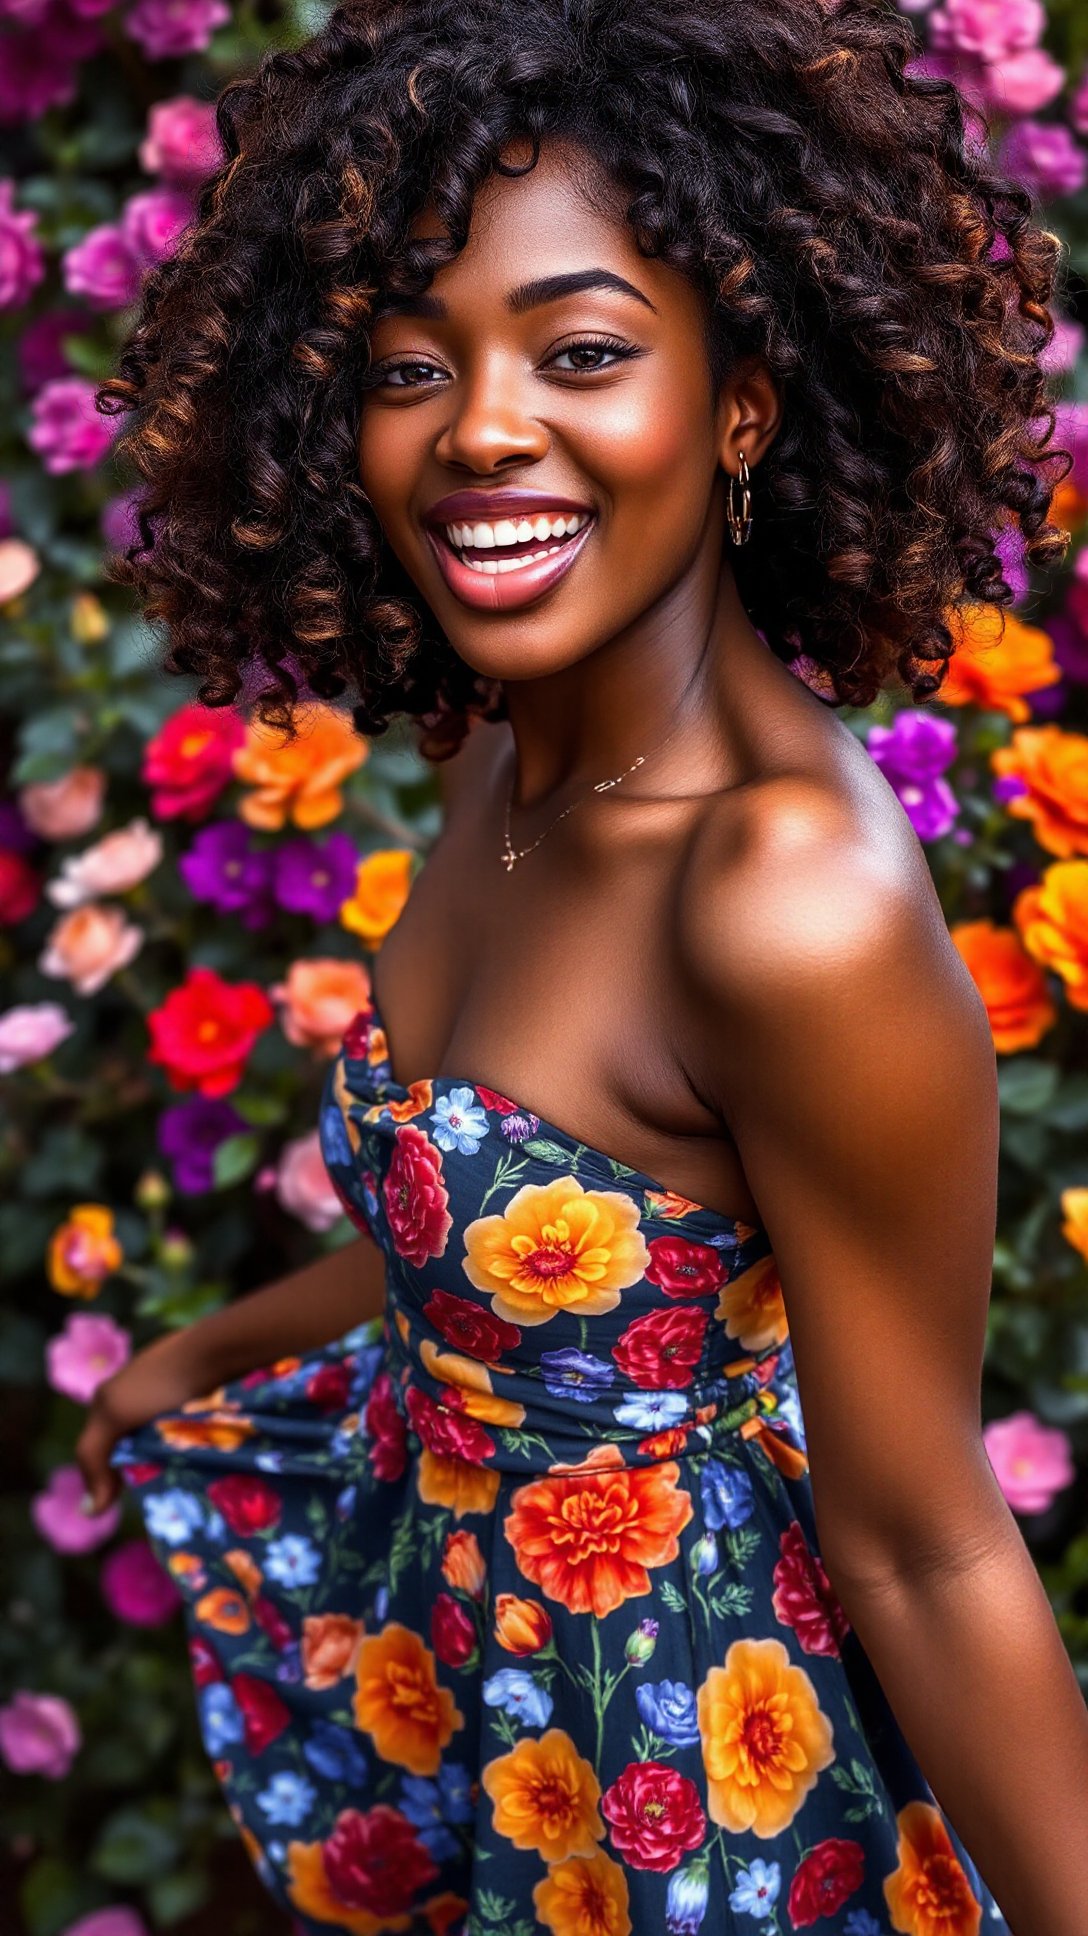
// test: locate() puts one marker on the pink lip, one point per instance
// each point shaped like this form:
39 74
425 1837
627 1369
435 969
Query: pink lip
506 591
496 504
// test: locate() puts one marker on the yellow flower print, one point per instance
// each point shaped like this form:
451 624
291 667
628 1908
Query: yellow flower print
752 1308
929 1894
765 1738
474 1379
556 1247
546 1797
585 1896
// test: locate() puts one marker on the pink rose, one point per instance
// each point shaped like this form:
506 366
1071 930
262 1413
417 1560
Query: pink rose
120 861
87 1352
67 431
103 268
987 29
1078 105
62 809
153 220
303 1186
19 567
89 945
108 1922
59 1519
136 1588
22 264
30 1032
1025 82
166 29
182 140
39 1735
1031 1461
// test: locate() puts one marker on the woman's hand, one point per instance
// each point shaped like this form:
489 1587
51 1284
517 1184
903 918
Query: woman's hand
161 1378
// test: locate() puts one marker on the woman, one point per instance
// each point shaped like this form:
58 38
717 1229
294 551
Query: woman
562 379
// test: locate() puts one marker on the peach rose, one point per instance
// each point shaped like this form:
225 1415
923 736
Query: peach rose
330 1645
89 945
120 861
62 809
19 566
319 1000
1011 984
381 889
298 779
303 1186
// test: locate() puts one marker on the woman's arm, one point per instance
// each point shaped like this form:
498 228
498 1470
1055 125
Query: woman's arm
853 1061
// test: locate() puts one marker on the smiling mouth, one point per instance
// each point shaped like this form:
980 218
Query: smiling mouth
506 545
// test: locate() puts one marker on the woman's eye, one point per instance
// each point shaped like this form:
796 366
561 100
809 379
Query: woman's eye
589 354
405 375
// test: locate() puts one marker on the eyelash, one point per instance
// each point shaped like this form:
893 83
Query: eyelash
622 350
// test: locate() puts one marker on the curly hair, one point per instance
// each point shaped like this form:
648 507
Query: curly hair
838 214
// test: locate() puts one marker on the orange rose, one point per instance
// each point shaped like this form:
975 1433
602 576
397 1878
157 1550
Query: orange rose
993 668
226 1431
330 1646
929 1894
83 1252
1011 984
521 1626
319 999
298 779
588 1541
546 1797
381 889
1075 1228
1053 766
1052 917
399 1703
463 1564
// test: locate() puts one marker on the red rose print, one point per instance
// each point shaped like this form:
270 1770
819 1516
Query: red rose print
271 1621
143 1473
804 1597
445 1427
468 1327
376 1862
328 1388
654 1814
453 1634
205 1666
492 1099
825 1879
263 1713
685 1269
248 1504
661 1350
416 1199
386 1430
357 1034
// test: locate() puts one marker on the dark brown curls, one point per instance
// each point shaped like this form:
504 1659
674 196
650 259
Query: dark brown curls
840 216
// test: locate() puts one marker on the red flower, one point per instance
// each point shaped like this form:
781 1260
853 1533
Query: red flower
205 1666
142 1472
189 760
357 1034
803 1596
416 1198
654 1814
661 1350
248 1504
469 1327
685 1269
18 887
271 1621
206 1029
825 1879
328 1388
376 1862
386 1430
453 1634
445 1427
264 1714
493 1099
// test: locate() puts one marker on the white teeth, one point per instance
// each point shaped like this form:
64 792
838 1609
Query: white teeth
507 531
542 527
483 536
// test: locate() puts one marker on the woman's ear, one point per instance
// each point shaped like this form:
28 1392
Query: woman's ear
749 414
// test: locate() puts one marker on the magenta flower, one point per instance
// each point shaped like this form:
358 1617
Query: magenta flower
182 141
912 754
39 1735
1025 82
166 29
986 29
136 1588
31 1031
224 868
59 1519
315 879
1078 104
1044 157
68 433
22 263
1031 1461
152 221
87 1352
108 1922
103 267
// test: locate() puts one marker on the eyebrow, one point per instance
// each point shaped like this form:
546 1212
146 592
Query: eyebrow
528 295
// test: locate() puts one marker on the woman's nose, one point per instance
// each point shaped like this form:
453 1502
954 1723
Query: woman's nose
490 423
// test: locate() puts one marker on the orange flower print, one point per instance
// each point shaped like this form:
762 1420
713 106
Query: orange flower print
245 1570
1075 1212
398 1700
443 1479
1012 985
463 1564
546 1797
929 1894
311 1892
225 1430
521 1626
298 779
473 1382
752 1307
224 1610
556 1247
1052 917
330 1647
381 890
585 1896
588 1542
765 1738
1052 766
994 666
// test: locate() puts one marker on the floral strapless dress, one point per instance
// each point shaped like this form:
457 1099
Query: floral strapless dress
507 1611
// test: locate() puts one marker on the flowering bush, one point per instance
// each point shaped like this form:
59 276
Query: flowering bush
163 1063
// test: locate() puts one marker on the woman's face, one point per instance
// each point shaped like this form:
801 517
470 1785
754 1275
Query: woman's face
548 400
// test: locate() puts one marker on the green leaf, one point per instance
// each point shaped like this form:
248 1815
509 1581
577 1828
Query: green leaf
52 1896
263 1111
546 1151
1026 1085
236 1159
1069 1108
134 1846
173 1897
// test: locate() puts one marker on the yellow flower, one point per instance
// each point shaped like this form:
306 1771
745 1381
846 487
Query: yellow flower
752 1307
83 1252
381 889
1075 1211
474 1379
765 1738
546 1797
298 779
586 1896
556 1247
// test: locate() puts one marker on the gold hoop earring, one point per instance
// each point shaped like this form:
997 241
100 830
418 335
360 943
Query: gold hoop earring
740 522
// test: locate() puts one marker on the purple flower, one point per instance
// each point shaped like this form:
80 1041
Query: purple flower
223 868
1044 157
117 521
41 345
1078 105
39 1735
22 263
167 28
67 432
190 1132
316 879
103 268
1009 544
38 70
520 1127
912 754
152 221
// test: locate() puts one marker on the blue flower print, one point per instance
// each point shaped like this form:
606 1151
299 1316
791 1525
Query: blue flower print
173 1516
652 1411
668 1707
727 1495
345 1502
334 1134
432 1805
288 1799
293 1560
756 1890
571 1373
860 1923
460 1121
517 1693
220 1718
333 1752
686 1902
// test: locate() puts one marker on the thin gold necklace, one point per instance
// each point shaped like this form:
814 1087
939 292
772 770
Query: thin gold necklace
511 855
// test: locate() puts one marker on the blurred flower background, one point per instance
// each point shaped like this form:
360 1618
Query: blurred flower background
162 1063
